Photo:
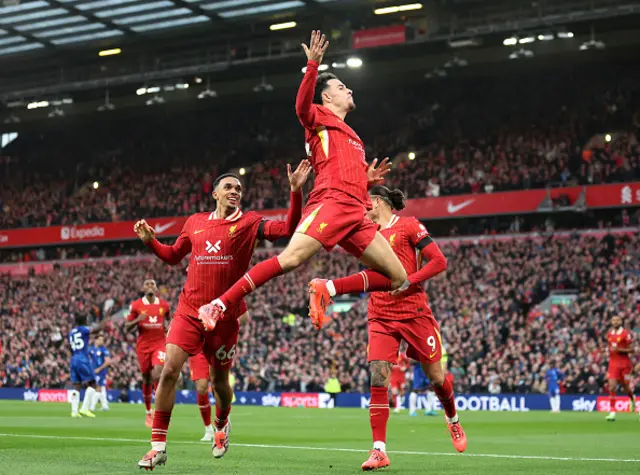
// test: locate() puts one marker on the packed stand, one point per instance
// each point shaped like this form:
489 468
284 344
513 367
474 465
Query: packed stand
490 303
469 135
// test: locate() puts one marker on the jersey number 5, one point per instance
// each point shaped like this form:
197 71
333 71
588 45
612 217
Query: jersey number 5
76 342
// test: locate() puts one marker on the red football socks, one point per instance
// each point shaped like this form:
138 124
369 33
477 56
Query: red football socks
365 281
612 401
205 409
446 397
379 413
146 395
257 276
160 426
222 415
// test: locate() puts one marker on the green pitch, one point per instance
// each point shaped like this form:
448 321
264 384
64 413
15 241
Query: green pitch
39 438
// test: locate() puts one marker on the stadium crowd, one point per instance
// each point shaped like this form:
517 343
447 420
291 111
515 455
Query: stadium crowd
468 136
498 331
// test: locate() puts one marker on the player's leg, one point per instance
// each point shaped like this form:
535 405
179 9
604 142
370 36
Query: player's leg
628 388
220 350
365 243
184 338
224 395
613 384
300 249
413 402
202 392
383 350
146 367
96 396
74 394
430 396
425 345
89 396
104 399
199 367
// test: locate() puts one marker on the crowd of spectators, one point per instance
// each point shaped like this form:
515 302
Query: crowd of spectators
465 135
498 329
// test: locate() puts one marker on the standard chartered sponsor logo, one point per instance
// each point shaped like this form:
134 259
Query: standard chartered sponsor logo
72 232
213 259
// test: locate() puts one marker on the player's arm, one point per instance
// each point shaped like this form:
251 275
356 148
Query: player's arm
167 318
273 230
375 176
629 350
172 255
106 364
133 318
436 261
306 110
97 327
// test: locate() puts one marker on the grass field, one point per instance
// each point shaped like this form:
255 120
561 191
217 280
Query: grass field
42 439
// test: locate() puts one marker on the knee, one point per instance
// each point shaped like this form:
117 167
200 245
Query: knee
290 259
438 381
380 374
221 382
202 387
170 372
398 278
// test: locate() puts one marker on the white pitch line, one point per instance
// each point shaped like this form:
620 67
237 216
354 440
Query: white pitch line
335 449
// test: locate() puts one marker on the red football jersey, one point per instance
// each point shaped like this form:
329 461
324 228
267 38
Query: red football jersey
221 250
619 339
336 152
403 235
151 329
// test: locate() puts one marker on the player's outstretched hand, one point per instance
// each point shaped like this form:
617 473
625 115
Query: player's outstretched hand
144 231
298 178
375 176
317 46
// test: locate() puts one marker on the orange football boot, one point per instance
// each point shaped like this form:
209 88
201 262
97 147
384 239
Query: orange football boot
377 460
152 459
319 301
458 437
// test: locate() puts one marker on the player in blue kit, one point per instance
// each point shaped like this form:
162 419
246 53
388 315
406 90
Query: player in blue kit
81 369
101 360
421 383
553 377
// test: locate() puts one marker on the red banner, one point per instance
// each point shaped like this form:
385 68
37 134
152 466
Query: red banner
53 395
390 35
300 400
622 404
99 232
520 202
461 206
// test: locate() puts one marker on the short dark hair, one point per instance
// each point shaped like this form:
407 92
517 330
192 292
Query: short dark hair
80 319
394 198
222 177
322 85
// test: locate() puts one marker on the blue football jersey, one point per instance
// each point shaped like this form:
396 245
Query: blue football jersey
98 355
79 341
553 377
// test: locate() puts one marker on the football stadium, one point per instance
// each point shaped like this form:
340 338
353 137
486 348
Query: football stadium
370 234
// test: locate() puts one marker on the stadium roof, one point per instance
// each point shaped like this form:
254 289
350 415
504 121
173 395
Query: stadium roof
30 25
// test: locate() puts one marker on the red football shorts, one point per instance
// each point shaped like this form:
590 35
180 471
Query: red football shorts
199 367
218 346
335 218
422 334
620 373
150 356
